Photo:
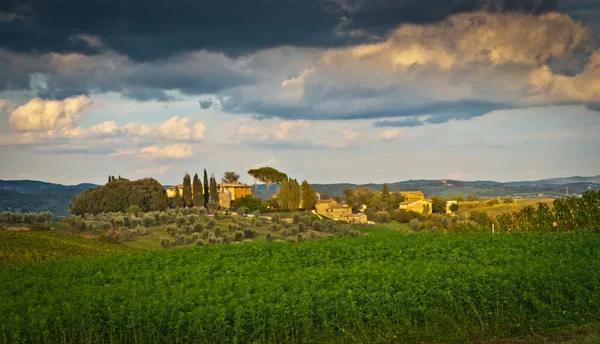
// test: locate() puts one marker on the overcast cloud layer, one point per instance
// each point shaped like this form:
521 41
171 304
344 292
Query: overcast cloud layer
172 86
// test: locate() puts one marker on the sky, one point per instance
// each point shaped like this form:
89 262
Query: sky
324 90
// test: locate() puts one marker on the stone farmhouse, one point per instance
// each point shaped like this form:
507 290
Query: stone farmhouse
228 192
415 201
339 211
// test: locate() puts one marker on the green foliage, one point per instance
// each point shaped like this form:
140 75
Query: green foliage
385 193
133 209
8 217
438 205
214 194
415 225
454 207
206 189
472 197
230 177
380 217
197 198
309 198
267 175
247 202
492 202
177 199
417 287
294 197
118 195
284 194
187 191
570 214
507 200
482 219
38 247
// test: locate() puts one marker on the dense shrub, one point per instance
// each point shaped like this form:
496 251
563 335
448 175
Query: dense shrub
415 225
405 216
119 195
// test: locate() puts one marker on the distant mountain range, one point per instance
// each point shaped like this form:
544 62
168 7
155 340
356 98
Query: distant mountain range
37 196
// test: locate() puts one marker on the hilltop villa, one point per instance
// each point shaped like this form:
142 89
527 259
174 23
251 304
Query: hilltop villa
339 211
415 201
228 192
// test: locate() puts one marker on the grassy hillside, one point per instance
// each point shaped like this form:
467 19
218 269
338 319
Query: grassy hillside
391 289
19 247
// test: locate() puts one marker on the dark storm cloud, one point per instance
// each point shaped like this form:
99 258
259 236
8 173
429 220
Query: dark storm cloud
407 122
205 104
440 112
157 29
197 73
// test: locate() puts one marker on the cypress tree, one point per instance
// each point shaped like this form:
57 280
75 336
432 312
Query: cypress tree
284 194
309 199
206 195
187 191
214 195
197 192
385 193
294 197
177 200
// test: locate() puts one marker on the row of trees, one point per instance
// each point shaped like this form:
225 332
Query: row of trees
293 196
8 217
569 214
200 194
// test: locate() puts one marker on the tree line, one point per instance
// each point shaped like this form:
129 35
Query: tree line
119 195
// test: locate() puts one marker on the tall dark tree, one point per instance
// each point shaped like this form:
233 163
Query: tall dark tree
230 177
177 199
294 197
206 194
197 192
309 198
214 194
284 194
385 193
187 191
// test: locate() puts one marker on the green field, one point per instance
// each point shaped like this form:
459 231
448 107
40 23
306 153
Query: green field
19 247
391 288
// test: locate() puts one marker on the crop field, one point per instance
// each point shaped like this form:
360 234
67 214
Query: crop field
19 247
373 289
501 208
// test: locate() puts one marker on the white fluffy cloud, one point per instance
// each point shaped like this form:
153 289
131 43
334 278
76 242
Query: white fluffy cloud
584 86
269 130
39 114
169 151
390 134
175 129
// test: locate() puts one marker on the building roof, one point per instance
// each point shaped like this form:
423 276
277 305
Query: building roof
412 194
410 201
180 186
233 185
